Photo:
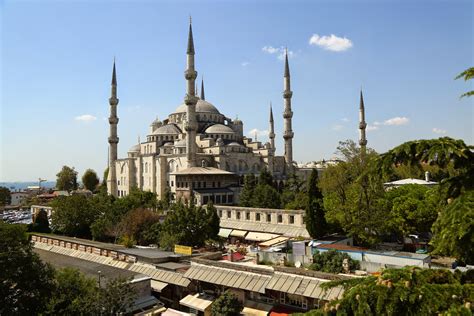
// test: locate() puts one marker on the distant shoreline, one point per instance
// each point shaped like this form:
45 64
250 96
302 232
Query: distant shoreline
21 185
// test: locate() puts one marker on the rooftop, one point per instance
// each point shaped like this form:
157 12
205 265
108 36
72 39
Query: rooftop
202 170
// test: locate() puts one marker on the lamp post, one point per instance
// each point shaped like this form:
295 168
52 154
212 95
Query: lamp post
99 272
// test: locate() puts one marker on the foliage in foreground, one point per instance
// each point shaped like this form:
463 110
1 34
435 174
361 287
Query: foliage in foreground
408 291
226 305
332 261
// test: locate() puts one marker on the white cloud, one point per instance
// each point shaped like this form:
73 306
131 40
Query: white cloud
245 64
337 127
133 108
258 132
439 131
397 121
331 42
345 119
279 51
370 128
85 118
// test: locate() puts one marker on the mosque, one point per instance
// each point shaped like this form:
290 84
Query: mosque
197 151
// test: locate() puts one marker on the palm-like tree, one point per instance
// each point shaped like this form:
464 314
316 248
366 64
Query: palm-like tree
467 75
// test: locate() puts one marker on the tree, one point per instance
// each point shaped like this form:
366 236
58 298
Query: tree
353 195
73 215
227 304
408 291
66 179
247 191
214 221
5 196
74 294
40 223
136 222
467 75
26 282
294 195
314 217
266 196
411 208
454 229
90 180
117 297
332 262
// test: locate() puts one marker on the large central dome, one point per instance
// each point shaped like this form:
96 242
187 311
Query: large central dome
201 106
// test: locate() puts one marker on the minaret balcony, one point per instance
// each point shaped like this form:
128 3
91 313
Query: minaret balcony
190 99
113 140
271 135
362 125
113 120
287 94
113 101
190 74
288 134
363 142
287 114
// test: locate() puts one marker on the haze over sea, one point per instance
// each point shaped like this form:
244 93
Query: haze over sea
15 186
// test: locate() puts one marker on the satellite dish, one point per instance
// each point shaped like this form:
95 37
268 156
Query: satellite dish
298 264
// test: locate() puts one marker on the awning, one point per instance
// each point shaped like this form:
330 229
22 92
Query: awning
254 236
256 308
238 233
157 285
196 301
224 232
273 241
173 312
254 312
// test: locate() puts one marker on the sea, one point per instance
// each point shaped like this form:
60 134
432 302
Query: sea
18 186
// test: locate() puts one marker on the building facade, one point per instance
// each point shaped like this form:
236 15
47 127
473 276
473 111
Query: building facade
195 135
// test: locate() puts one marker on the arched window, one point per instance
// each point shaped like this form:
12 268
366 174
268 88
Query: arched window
146 167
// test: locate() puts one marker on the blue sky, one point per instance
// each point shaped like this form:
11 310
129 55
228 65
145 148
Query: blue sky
57 59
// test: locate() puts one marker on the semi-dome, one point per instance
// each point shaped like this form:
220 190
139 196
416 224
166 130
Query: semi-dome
235 144
219 129
180 143
169 129
135 148
201 106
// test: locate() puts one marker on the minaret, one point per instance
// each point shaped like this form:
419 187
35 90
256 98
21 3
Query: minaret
113 139
362 126
271 134
202 89
287 115
190 100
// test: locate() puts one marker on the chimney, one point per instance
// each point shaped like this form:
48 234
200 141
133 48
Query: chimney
427 176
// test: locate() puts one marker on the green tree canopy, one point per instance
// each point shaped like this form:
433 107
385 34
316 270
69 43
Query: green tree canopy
26 282
214 221
66 179
73 215
5 196
467 74
227 304
90 180
454 229
314 217
408 291
332 262
246 195
40 223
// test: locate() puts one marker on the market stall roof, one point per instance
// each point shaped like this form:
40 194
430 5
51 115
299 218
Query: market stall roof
224 232
254 236
273 241
238 233
197 301
157 285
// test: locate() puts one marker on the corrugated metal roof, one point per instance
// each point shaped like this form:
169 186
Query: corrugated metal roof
285 230
302 285
254 236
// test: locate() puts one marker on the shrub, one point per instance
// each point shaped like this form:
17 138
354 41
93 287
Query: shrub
331 261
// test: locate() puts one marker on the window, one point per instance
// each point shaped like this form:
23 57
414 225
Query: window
292 219
219 184
230 199
280 218
218 199
229 214
269 218
205 199
238 213
224 199
220 213
247 216
172 183
204 184
257 217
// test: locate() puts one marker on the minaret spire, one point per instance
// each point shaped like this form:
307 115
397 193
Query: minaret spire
287 115
113 138
202 89
271 134
190 100
362 126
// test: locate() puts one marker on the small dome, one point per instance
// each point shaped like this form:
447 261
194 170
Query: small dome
167 130
237 121
156 122
235 144
134 149
219 129
201 106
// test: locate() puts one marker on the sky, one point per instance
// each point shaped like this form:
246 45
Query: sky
56 63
